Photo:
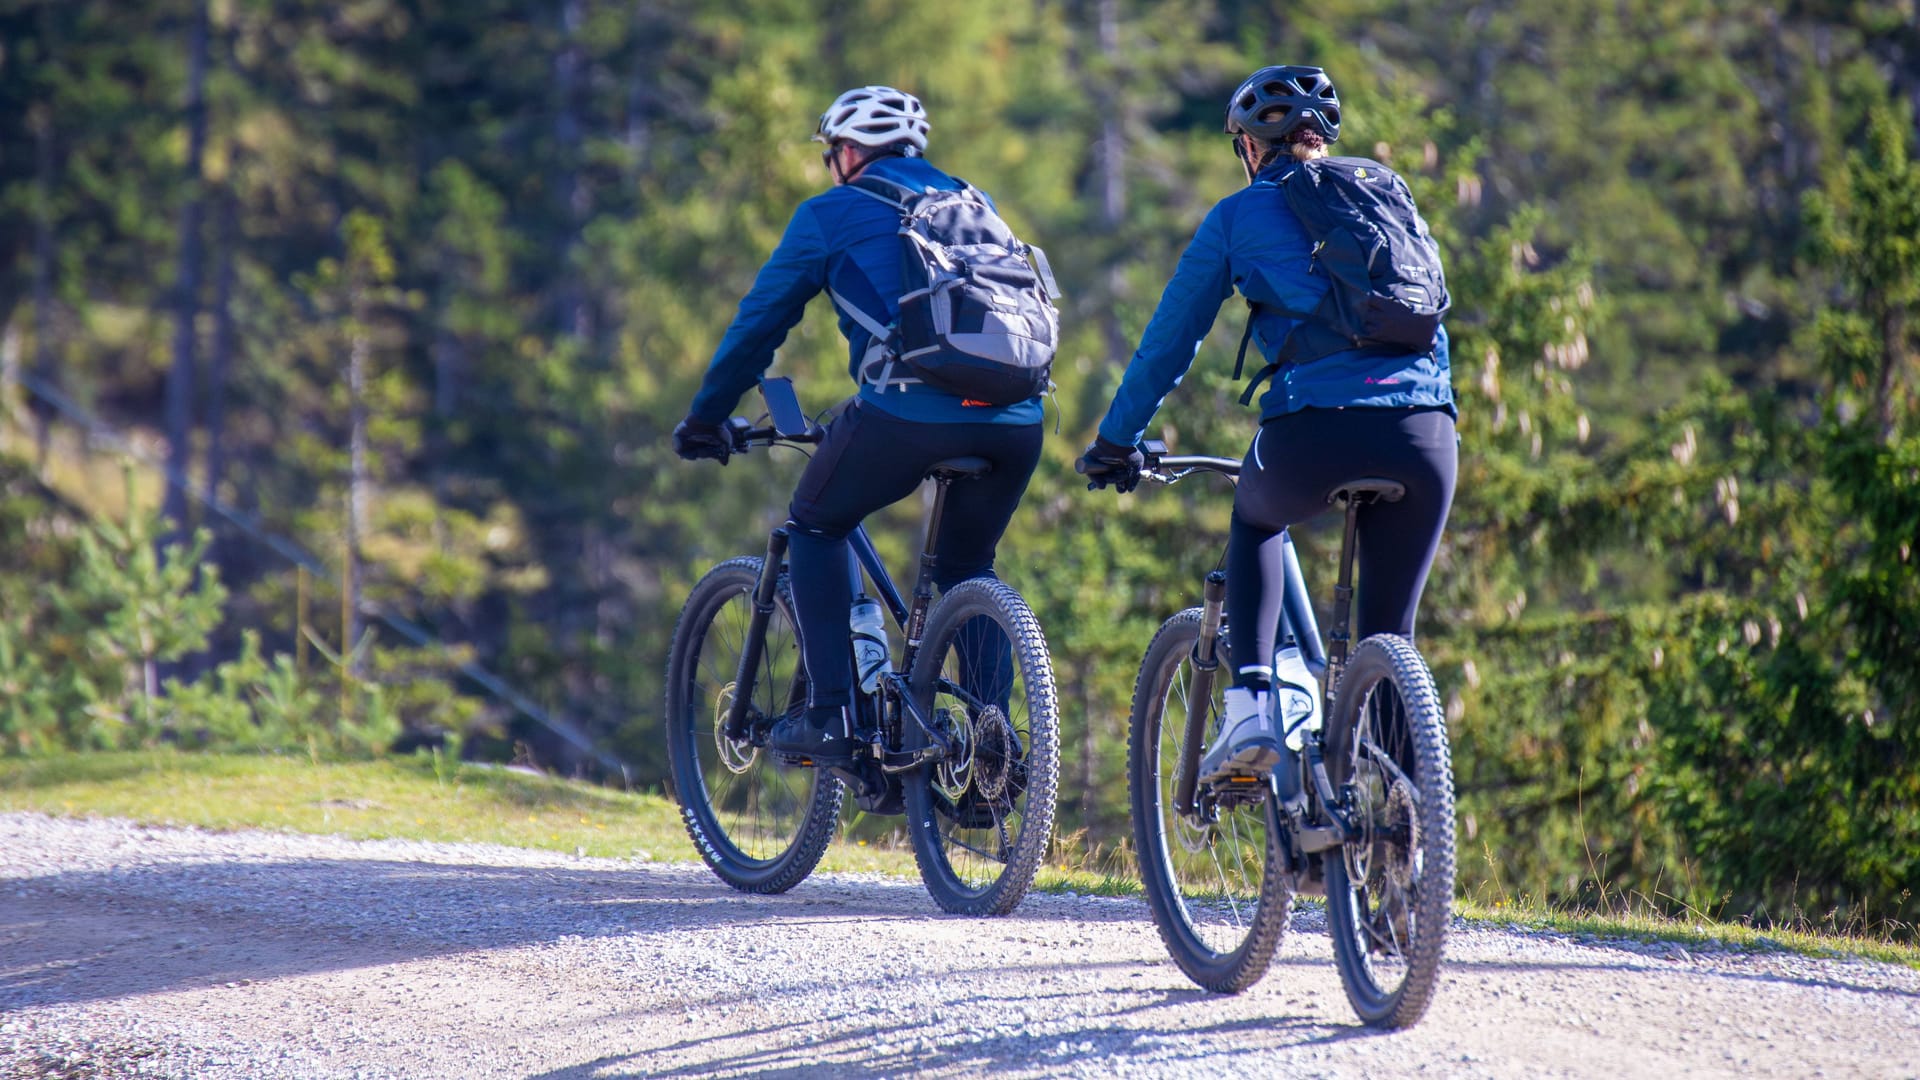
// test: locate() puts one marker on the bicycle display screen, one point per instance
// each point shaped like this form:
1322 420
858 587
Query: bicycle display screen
783 406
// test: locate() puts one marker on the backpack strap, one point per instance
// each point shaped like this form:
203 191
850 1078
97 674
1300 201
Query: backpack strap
867 322
1289 351
879 187
877 363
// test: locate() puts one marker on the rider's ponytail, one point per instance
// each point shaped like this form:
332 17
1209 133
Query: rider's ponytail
1306 145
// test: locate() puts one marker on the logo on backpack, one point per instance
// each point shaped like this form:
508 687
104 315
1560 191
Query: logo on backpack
1386 290
976 304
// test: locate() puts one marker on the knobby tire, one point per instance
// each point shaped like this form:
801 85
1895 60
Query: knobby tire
1223 942
980 833
1382 926
782 817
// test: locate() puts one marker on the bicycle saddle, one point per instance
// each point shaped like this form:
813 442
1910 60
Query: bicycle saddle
1368 488
960 468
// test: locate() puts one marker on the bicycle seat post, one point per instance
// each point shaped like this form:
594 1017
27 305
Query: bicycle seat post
1343 596
1356 493
923 584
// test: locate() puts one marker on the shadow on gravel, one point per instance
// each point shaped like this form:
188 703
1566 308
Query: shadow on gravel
86 936
873 1050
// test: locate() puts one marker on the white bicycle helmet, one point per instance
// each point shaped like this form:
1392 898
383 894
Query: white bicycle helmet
875 116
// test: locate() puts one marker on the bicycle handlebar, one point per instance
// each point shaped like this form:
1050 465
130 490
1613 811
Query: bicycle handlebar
744 436
1166 468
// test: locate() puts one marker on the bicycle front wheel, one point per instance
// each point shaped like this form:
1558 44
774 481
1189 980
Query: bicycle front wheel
762 826
1215 877
1390 889
981 819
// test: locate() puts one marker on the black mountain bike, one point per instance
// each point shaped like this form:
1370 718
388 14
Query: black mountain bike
962 735
1368 816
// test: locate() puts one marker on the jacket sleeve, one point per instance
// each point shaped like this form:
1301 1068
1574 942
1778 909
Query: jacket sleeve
795 272
1203 280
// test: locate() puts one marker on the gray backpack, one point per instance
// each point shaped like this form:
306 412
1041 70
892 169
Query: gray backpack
976 304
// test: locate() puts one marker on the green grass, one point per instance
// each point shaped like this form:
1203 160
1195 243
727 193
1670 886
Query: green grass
421 798
405 798
1645 923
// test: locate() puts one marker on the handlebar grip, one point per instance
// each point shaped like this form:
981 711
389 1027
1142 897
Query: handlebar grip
1080 466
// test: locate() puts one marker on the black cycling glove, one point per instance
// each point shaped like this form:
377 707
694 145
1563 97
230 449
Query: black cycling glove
1106 463
695 439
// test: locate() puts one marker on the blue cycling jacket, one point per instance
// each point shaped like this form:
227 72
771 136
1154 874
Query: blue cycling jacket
848 241
1252 241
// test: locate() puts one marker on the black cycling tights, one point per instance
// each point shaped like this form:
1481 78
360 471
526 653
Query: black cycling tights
871 459
1295 462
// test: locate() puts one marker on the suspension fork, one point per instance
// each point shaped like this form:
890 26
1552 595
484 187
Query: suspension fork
756 643
1206 661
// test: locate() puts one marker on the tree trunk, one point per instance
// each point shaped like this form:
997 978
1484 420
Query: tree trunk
43 167
186 306
1893 354
220 359
1089 759
1113 179
446 374
639 137
9 369
359 352
574 317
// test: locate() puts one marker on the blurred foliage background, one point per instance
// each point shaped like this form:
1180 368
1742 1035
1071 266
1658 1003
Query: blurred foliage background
419 287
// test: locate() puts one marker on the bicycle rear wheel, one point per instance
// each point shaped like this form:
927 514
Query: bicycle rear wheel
762 826
1216 880
1390 890
981 820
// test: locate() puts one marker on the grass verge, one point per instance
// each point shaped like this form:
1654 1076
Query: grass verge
1648 924
429 798
411 798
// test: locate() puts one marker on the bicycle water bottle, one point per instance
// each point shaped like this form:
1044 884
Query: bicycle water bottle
871 655
1296 696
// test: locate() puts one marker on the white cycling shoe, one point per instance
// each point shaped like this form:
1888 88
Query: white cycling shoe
1248 747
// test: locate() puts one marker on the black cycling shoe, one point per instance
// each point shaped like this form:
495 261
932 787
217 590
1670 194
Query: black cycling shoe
816 737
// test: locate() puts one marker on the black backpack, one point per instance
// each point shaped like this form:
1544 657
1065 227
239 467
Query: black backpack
1388 290
976 304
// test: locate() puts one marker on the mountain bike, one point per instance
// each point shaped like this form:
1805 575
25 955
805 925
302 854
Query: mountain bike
962 735
1365 811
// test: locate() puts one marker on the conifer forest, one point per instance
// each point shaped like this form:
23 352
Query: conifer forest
340 341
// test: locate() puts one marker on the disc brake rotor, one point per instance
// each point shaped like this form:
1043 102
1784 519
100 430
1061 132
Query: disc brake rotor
996 747
1401 844
951 775
738 757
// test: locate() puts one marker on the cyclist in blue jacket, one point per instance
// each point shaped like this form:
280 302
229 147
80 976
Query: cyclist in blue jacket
1362 412
879 448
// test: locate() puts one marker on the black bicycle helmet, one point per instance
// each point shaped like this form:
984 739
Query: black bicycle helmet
1275 102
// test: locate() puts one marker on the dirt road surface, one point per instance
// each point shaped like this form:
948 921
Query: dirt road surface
135 951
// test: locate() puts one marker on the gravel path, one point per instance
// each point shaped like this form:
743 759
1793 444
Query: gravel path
135 951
